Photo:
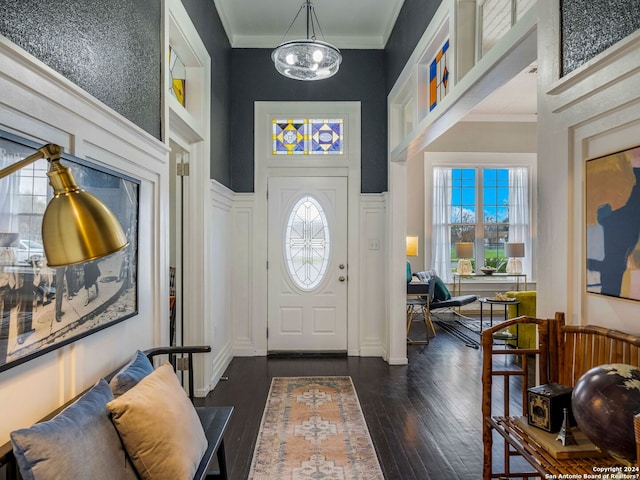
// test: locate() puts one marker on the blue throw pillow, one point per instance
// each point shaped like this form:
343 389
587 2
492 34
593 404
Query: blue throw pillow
80 442
129 376
408 272
441 292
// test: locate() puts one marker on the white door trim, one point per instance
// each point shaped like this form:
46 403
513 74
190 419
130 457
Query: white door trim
189 128
266 165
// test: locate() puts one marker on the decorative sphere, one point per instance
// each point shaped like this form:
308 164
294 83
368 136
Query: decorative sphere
604 402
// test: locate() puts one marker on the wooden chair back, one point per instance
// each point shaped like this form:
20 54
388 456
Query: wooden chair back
579 348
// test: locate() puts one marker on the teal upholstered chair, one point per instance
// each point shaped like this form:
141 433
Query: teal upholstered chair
431 293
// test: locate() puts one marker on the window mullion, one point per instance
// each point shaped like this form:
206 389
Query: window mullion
480 227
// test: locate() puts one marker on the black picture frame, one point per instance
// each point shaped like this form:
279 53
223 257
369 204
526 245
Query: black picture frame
43 309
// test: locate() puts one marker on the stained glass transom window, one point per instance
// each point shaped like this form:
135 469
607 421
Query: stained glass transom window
439 77
178 74
307 243
290 137
308 136
326 136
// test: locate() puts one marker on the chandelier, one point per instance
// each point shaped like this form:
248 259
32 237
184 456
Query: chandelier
307 59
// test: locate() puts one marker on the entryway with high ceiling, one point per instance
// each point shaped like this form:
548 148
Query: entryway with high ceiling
307 168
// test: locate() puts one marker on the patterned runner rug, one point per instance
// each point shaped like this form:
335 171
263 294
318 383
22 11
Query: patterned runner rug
313 428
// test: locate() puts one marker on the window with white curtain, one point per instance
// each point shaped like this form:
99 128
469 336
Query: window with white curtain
487 206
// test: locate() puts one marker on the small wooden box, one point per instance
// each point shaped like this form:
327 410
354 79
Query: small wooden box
546 404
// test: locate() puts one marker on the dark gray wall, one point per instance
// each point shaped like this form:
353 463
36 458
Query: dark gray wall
110 49
413 19
361 78
205 17
365 75
591 26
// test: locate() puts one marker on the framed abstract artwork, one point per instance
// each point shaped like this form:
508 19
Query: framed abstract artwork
43 308
612 197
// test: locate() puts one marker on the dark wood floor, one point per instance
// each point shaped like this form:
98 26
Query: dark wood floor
424 418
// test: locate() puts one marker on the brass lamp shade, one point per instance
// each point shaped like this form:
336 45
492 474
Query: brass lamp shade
77 227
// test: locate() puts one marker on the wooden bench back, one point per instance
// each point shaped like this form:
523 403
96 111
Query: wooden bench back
8 465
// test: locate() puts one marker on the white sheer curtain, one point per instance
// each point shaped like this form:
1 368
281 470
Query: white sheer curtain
519 213
8 193
440 230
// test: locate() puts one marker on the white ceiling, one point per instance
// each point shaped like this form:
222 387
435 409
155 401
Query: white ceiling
357 24
345 23
516 101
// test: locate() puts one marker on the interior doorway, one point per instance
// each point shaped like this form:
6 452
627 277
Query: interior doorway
178 157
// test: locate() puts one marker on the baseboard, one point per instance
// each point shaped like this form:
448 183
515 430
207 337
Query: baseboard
373 350
286 354
398 361
246 350
220 364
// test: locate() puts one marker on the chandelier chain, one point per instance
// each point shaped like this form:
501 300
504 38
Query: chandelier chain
312 20
313 11
291 24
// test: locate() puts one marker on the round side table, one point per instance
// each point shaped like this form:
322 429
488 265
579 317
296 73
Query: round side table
502 335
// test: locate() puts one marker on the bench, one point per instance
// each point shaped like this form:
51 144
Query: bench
564 354
214 420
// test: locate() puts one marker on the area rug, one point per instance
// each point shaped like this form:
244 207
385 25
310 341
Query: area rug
466 330
313 428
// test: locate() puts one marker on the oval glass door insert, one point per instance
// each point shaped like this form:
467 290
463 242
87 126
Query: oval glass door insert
307 243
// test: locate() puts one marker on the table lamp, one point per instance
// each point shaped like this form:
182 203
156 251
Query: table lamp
514 251
412 246
464 251
76 226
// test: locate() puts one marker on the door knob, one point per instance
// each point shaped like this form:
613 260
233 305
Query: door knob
342 278
341 266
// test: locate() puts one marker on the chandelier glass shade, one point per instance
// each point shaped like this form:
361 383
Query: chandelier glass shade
307 59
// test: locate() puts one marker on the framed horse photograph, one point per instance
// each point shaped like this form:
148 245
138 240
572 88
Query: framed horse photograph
43 308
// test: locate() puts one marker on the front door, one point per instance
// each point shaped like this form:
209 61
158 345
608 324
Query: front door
307 264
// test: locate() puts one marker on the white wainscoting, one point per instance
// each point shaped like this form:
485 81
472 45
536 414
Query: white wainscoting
218 325
38 103
242 304
373 263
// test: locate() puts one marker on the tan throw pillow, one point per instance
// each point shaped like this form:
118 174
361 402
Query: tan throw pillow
159 427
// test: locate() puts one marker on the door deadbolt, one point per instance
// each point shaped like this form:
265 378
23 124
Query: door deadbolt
341 266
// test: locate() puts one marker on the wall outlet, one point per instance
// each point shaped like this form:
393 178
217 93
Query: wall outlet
374 244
